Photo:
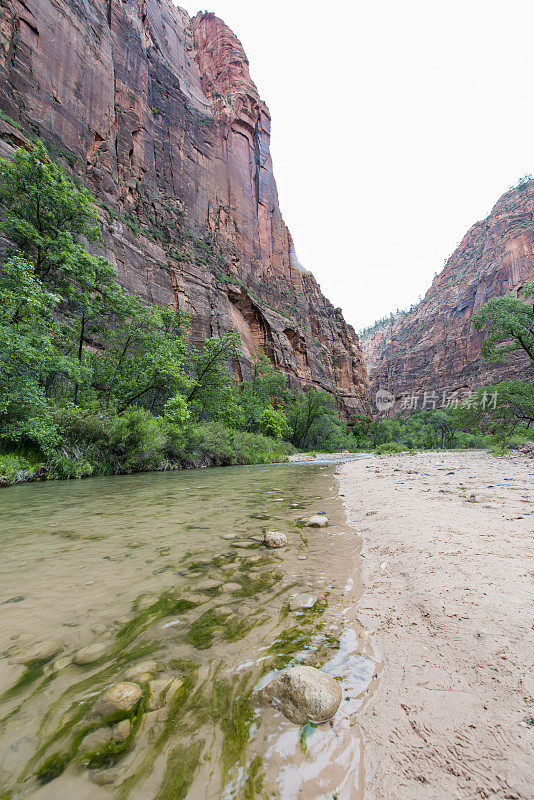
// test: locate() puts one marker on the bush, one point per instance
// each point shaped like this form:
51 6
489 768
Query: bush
273 422
390 447
137 440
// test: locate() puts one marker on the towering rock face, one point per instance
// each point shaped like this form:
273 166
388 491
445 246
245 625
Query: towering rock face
434 347
157 114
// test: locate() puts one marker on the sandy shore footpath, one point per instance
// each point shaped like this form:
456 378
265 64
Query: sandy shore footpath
448 561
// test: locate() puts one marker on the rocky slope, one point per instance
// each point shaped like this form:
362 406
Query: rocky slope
434 347
157 114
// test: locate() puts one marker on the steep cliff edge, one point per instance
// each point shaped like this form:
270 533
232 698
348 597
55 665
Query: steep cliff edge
434 347
157 114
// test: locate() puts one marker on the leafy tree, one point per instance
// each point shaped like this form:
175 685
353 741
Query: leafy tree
307 411
212 393
508 405
509 322
273 422
265 386
28 354
48 221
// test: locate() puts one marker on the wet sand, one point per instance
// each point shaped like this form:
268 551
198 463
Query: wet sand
447 573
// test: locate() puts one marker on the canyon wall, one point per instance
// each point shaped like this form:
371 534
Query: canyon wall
157 114
434 348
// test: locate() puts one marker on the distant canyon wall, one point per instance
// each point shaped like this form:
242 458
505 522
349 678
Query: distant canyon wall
157 114
434 347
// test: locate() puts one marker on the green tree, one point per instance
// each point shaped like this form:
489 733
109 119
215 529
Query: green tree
213 393
509 325
48 221
273 422
307 412
28 354
266 385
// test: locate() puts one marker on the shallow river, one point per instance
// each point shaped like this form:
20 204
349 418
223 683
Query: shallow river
165 575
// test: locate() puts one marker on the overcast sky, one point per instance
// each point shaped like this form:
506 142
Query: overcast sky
395 127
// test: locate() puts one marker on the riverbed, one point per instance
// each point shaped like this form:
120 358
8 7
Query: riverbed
161 579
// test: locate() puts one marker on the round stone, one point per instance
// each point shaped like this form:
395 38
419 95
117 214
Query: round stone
303 694
90 654
119 697
317 521
39 653
231 587
274 539
302 601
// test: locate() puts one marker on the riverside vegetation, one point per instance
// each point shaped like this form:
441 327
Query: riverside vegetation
93 381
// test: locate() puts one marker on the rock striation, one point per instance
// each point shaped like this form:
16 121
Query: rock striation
434 348
157 114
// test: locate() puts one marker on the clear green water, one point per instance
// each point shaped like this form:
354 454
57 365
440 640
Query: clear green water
140 565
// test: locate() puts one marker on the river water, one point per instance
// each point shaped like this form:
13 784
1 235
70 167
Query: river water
144 567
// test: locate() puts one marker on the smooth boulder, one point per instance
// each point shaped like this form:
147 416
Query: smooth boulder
317 521
90 654
302 601
39 653
119 697
274 539
303 694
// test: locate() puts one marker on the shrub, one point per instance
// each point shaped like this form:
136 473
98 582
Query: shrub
390 447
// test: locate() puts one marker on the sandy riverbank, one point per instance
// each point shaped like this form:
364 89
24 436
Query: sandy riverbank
448 559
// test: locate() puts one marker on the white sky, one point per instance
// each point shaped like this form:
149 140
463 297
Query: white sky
396 126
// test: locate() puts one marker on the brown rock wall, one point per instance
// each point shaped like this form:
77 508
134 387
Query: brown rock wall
157 114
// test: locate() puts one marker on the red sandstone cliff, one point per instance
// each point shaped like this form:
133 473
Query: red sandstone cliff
434 346
158 115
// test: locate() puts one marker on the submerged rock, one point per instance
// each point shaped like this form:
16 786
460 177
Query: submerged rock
95 740
121 730
303 694
231 587
90 654
39 653
274 539
119 697
302 601
143 672
317 521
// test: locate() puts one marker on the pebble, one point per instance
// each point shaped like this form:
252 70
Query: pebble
302 601
39 653
303 694
317 521
231 587
122 696
90 654
274 539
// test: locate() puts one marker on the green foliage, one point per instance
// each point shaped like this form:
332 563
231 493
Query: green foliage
273 422
509 325
94 381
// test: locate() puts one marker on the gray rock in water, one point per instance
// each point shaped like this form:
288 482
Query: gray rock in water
302 601
90 654
231 587
121 730
317 521
303 694
39 653
119 697
95 740
274 539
